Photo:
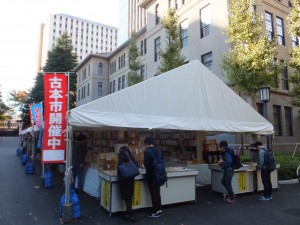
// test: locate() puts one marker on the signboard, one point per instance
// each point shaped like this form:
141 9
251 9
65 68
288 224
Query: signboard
55 107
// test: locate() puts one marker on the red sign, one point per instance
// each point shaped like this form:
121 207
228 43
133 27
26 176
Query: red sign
55 122
30 114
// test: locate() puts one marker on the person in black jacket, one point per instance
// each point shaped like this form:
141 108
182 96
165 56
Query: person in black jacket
78 160
265 171
154 188
126 184
225 164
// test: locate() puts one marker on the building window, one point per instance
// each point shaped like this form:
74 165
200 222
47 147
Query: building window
78 96
184 33
84 74
88 90
142 47
110 87
156 49
89 70
277 120
280 31
205 21
99 88
157 16
295 41
284 78
119 84
123 81
143 72
145 46
124 59
114 86
269 25
288 121
100 69
207 60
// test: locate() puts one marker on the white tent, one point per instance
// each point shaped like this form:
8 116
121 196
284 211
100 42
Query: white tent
190 97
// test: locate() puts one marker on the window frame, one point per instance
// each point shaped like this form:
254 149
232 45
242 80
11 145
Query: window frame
277 117
209 63
205 29
280 30
157 49
269 24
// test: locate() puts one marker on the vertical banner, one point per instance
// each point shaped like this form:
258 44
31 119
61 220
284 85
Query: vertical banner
30 115
37 114
55 96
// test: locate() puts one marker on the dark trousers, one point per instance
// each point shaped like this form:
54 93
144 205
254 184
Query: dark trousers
155 196
266 180
78 172
226 181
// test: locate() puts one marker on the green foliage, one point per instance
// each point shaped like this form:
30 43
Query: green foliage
20 100
61 59
294 30
288 165
171 57
3 109
293 18
250 63
133 76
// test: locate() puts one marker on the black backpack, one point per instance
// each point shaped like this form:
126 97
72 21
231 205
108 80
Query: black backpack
236 161
269 160
159 170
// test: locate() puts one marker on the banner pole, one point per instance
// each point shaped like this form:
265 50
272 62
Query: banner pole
68 153
67 214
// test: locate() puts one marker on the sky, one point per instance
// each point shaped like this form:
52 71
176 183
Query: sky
20 21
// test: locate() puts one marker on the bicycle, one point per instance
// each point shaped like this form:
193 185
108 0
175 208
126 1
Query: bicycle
298 173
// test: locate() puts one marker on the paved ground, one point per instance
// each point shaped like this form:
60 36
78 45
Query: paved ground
24 200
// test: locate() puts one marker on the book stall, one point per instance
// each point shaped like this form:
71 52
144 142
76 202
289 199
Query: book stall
178 118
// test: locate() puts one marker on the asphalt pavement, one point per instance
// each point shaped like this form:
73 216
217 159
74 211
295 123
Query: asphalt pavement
24 200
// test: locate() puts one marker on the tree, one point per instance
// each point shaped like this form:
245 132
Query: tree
251 61
133 76
171 57
20 100
3 109
61 59
294 30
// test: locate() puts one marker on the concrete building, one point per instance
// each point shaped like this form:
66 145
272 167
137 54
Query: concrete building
87 36
132 19
201 23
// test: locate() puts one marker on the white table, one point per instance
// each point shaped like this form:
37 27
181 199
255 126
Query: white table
181 187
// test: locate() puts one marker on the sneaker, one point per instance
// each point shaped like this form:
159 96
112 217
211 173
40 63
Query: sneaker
263 198
270 197
228 200
157 214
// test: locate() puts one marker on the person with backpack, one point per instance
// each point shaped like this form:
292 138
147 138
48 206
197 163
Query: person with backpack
226 165
150 154
265 171
126 184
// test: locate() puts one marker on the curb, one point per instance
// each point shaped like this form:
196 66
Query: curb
293 181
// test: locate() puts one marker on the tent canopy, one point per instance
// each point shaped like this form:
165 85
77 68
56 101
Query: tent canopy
189 97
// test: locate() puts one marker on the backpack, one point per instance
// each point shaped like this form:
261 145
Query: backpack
269 160
159 171
236 161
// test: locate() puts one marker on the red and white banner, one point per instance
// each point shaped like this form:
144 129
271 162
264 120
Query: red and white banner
55 122
30 114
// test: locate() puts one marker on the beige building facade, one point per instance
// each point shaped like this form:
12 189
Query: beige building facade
87 36
201 23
